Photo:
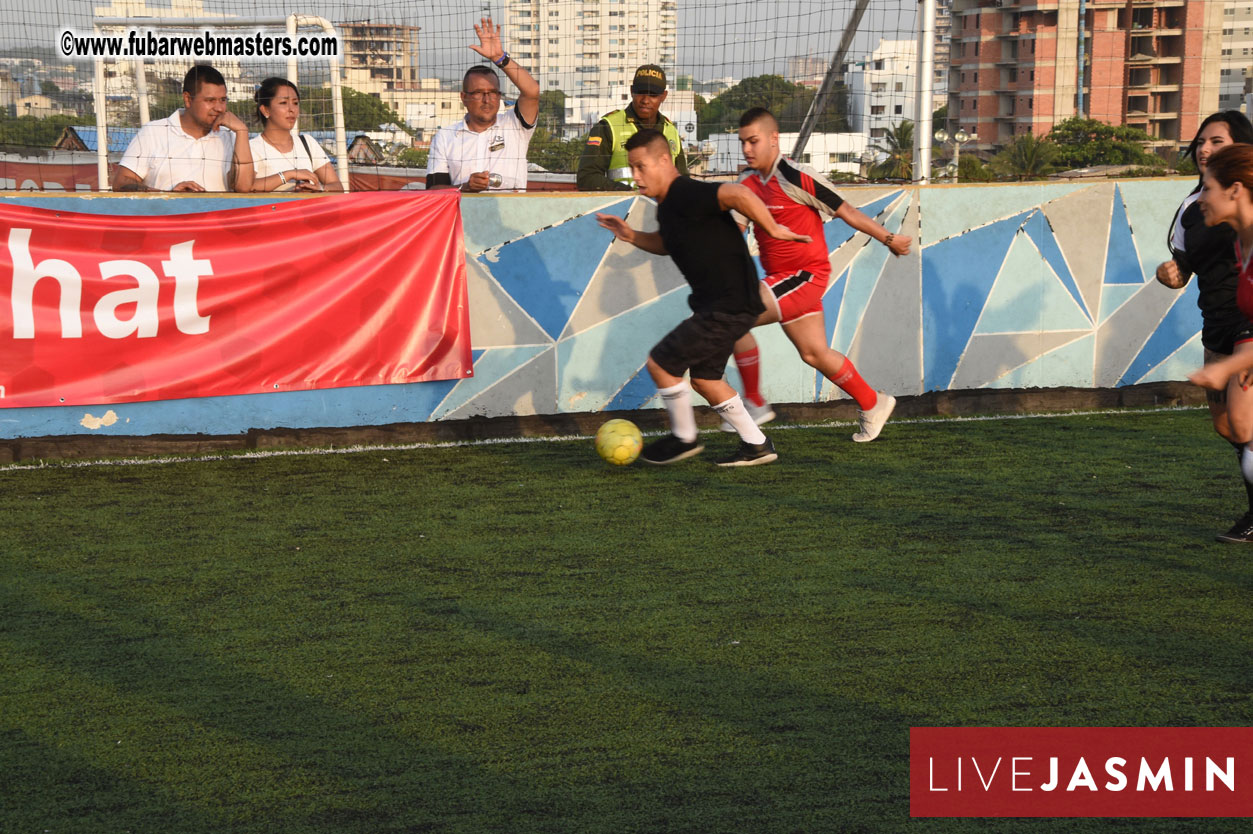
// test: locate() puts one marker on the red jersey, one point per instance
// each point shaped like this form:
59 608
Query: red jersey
797 197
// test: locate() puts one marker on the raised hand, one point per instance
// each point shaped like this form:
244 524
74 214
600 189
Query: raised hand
489 40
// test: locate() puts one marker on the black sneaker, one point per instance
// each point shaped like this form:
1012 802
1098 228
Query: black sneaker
1241 532
751 454
670 449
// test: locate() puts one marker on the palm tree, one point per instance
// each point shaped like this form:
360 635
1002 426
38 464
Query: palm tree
1026 158
898 145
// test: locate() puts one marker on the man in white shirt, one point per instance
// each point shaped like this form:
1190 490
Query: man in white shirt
202 147
486 143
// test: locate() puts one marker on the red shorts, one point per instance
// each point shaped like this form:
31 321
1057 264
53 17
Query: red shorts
797 294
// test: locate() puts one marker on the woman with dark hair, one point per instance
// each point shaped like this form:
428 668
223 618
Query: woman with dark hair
1206 249
283 162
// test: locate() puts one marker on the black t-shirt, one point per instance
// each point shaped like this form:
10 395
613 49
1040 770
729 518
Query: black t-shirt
709 249
1210 253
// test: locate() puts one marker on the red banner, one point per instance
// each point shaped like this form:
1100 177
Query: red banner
1081 771
354 289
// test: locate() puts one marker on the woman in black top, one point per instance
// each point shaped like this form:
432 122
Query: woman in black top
1208 252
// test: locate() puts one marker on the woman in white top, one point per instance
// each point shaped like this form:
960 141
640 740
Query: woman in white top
284 162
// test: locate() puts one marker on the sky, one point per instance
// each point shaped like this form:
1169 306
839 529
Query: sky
716 38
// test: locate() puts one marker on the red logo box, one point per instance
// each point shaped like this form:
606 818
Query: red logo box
1081 771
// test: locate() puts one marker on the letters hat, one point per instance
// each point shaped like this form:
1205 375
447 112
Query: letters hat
650 79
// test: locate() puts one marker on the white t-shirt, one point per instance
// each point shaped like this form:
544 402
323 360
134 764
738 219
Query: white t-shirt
501 149
269 160
162 154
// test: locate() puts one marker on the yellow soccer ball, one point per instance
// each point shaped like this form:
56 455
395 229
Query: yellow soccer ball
619 442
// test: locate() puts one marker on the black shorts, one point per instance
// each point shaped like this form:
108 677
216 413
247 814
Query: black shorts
1223 339
702 344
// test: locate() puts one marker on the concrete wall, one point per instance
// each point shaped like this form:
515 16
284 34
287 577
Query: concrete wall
1014 286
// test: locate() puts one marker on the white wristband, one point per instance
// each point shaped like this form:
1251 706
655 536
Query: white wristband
282 178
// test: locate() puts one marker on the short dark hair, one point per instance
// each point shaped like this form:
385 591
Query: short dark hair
1237 125
646 138
479 69
198 76
756 114
268 90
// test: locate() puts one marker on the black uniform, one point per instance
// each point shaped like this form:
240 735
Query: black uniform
708 248
1209 253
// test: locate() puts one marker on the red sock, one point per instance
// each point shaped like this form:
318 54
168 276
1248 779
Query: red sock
749 364
851 383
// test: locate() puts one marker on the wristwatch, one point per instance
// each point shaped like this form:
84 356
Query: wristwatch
503 62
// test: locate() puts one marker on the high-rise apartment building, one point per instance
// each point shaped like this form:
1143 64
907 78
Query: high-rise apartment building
380 57
591 48
1151 64
1236 66
882 88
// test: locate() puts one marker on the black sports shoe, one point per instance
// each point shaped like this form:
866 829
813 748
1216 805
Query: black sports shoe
1241 532
670 449
751 454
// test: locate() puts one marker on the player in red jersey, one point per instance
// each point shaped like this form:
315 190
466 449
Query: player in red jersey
797 273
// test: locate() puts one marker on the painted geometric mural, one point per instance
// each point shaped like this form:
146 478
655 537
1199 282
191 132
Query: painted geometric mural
1007 286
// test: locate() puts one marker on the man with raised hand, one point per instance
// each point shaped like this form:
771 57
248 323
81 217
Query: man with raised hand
797 274
202 147
486 150
699 234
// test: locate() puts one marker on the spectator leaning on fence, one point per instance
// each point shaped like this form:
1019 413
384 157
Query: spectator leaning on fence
202 147
603 165
487 142
285 162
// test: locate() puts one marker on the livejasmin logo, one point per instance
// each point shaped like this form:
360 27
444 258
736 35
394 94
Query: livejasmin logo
1081 771
143 290
1020 773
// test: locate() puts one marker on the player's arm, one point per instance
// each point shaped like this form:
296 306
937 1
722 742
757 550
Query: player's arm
593 172
738 198
850 214
648 241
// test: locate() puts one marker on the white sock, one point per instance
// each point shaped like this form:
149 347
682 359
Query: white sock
678 400
1246 463
734 412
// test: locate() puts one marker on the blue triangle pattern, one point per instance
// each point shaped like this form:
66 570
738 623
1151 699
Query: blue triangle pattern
638 390
1179 325
831 301
839 233
547 273
1122 264
1037 227
957 275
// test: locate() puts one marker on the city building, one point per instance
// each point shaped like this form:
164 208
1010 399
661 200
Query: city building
1149 64
379 57
1237 54
882 88
591 47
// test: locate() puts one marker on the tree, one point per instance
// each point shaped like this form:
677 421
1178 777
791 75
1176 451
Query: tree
788 102
898 145
971 169
412 158
1083 143
552 109
1028 157
551 153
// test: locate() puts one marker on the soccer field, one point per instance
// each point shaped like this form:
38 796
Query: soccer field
518 637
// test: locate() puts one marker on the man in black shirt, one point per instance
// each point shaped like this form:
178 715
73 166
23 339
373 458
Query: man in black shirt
698 232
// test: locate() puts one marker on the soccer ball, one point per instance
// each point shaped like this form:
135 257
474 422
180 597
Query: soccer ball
619 442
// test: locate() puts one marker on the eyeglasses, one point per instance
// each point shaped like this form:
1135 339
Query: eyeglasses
483 95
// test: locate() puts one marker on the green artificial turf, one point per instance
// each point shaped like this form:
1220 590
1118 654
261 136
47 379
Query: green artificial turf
520 638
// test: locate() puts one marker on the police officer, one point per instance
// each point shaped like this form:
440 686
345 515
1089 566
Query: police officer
603 165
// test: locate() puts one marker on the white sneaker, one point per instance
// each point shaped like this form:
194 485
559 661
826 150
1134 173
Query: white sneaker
872 421
761 415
